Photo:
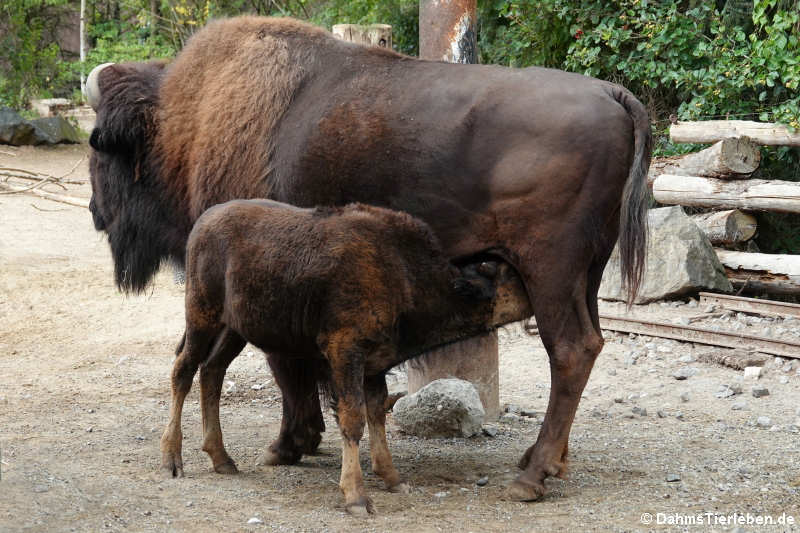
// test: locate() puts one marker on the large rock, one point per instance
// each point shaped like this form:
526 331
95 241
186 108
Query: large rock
54 130
17 131
14 129
680 260
442 408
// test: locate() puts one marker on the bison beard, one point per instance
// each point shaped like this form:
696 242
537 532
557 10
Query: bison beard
540 168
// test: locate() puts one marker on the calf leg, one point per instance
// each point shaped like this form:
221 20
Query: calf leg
212 372
376 393
572 338
194 351
301 422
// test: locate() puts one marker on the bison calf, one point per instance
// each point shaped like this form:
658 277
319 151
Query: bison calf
352 291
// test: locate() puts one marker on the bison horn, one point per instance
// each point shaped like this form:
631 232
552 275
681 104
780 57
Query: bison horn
92 88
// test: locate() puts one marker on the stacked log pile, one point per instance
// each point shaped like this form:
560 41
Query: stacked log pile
718 178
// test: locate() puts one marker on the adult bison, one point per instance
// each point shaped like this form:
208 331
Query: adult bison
540 168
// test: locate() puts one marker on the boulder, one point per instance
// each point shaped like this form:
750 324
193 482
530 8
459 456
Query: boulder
55 130
680 260
443 408
17 131
14 129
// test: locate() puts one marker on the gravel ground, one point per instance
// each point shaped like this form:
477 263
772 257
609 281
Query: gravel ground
84 391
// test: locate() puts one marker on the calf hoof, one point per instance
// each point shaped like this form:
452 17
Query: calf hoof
228 467
310 448
362 507
520 491
171 466
400 488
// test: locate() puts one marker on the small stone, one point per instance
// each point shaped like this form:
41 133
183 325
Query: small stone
788 366
512 408
440 495
684 397
759 391
679 415
752 372
641 411
663 349
489 431
482 481
763 422
255 520
189 504
688 358
41 488
89 429
671 478
249 353
257 386
775 428
692 303
684 373
612 372
738 406
619 399
661 414
783 380
510 418
528 413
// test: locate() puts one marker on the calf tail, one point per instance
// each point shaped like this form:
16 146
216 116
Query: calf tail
633 211
181 344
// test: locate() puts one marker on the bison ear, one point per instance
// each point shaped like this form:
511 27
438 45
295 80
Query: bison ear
125 115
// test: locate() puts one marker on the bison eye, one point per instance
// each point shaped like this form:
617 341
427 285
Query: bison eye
94 139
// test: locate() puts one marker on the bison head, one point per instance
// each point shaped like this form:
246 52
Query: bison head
130 202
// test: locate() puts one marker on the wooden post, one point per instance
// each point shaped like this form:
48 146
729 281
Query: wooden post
371 35
771 273
734 158
447 32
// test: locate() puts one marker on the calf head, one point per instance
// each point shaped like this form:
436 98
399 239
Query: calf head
130 203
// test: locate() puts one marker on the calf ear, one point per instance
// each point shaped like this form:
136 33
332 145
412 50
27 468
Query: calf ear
473 288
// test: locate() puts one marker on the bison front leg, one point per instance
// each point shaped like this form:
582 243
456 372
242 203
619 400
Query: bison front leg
194 350
301 421
212 373
382 465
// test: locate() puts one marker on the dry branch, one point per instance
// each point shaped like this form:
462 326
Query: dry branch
71 200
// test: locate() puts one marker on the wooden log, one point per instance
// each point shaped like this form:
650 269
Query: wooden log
711 131
726 227
752 195
370 35
770 273
734 158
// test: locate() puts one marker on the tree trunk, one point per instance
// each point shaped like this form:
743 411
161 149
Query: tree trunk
711 131
447 32
771 273
726 227
371 35
734 158
753 195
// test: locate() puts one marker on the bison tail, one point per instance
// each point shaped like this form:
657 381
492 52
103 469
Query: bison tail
181 344
633 212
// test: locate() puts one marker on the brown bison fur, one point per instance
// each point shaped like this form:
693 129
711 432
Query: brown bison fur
540 168
349 291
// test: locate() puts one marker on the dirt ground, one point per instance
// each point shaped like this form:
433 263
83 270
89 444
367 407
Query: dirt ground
84 385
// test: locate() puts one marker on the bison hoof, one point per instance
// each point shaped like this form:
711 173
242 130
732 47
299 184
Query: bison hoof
519 491
228 467
363 507
312 445
271 458
400 488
